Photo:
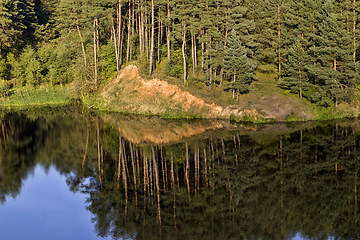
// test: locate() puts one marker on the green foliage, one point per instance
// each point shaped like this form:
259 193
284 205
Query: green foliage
4 87
4 69
41 96
238 67
293 117
108 60
267 68
27 68
296 78
311 43
174 68
196 82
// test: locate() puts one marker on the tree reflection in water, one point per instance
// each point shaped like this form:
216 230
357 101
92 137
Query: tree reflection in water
224 185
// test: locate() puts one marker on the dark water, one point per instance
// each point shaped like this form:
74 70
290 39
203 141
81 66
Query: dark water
67 175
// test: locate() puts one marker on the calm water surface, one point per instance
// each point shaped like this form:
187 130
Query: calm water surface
65 175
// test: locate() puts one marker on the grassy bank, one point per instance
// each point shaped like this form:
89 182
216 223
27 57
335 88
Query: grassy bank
23 97
136 93
265 102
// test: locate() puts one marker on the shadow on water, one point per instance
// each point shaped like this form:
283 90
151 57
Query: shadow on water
150 178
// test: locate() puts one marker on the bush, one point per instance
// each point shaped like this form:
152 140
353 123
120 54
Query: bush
4 88
27 68
174 67
267 68
196 82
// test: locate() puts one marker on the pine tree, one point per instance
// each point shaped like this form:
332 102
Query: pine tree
11 25
272 31
238 67
296 77
334 70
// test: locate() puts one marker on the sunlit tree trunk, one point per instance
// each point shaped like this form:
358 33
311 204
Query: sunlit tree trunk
128 34
183 49
95 55
168 31
82 43
152 37
193 43
115 44
279 42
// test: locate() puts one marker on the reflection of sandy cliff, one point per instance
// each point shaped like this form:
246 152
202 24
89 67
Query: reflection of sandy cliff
154 130
140 129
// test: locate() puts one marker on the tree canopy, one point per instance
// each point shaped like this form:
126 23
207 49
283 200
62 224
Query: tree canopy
311 45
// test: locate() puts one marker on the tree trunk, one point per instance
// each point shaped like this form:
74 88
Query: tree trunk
95 55
97 35
279 39
234 81
300 91
354 30
115 45
140 32
120 36
210 67
82 43
202 52
159 41
128 36
336 99
183 49
132 29
168 31
146 40
152 37
193 54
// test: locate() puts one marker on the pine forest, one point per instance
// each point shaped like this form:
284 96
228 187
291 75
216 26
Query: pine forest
311 45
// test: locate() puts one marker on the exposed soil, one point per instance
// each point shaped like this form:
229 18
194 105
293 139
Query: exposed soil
130 92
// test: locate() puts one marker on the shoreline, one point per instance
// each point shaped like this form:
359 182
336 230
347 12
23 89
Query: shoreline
183 116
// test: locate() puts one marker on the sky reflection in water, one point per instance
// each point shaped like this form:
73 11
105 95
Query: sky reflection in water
46 209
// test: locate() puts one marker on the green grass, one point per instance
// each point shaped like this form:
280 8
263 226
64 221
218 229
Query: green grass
42 96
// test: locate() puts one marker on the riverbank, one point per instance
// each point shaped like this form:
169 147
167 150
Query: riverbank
25 97
132 92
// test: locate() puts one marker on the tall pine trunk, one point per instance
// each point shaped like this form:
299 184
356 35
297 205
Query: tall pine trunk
183 49
152 37
279 40
82 43
95 54
128 35
168 31
354 29
120 36
193 53
115 44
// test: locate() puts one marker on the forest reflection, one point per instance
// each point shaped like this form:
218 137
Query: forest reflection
223 185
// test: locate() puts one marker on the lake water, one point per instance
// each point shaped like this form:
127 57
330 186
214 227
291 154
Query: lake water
71 175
